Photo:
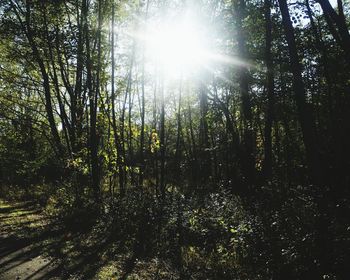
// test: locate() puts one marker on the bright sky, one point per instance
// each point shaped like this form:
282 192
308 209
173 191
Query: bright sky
178 43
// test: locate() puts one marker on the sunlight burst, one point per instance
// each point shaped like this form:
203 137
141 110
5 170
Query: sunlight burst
178 48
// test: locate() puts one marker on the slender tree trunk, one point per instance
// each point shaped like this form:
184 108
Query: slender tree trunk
93 94
130 137
122 123
248 159
26 27
178 136
114 119
162 142
193 159
204 163
63 116
305 116
142 136
267 164
340 23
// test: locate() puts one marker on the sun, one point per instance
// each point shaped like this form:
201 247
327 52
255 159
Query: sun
178 47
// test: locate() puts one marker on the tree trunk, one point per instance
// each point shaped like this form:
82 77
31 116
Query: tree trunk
305 116
248 159
26 27
341 26
267 163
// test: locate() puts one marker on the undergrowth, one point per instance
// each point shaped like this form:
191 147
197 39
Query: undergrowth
217 236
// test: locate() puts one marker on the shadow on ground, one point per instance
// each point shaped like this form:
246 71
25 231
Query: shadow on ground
35 247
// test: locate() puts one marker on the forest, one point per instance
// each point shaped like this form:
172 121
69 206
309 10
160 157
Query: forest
174 139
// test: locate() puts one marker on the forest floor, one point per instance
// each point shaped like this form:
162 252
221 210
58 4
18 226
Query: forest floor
21 255
34 245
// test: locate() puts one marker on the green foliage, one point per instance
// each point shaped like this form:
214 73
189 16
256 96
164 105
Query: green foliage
202 197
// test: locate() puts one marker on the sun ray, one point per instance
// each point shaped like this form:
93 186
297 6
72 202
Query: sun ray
179 47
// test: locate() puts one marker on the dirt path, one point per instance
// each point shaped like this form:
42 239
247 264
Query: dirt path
32 246
21 255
